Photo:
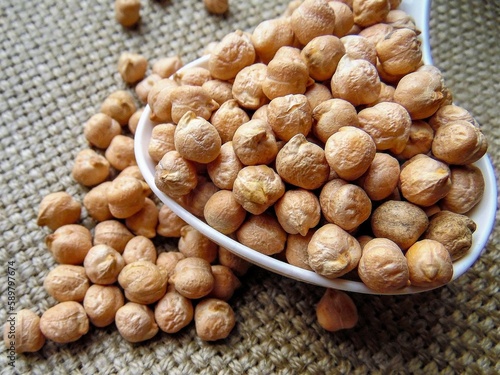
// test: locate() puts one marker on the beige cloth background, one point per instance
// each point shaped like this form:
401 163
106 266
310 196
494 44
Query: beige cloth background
57 64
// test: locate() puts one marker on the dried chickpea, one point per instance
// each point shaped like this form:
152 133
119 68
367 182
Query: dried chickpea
103 264
419 141
369 12
225 282
186 99
260 113
332 252
133 121
270 35
296 249
234 52
262 233
331 115
144 221
214 319
67 283
322 54
291 6
69 244
467 189
125 197
399 19
399 52
383 266
101 303
160 101
247 86
136 322
386 94
229 117
166 261
139 248
90 168
143 282
399 221
193 76
257 188
120 152
119 105
112 233
376 32
132 67
220 91
127 12
237 264
196 200
24 333
169 224
145 85
193 277
216 6
312 18
173 312
167 66
161 141
450 113
336 311
193 243
289 115
254 143
100 129
349 152
381 178
65 322
302 163
358 47
174 175
317 93
298 211
58 209
223 213
344 18
224 169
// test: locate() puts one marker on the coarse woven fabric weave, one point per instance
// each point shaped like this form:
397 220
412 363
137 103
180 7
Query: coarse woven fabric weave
57 64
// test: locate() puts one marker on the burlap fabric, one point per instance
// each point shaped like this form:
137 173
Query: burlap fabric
57 64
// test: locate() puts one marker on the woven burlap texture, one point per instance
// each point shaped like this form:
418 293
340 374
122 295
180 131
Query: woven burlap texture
57 64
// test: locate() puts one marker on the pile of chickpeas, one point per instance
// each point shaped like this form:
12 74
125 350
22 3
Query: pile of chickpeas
320 138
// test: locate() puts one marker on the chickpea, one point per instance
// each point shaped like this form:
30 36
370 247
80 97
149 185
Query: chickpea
312 18
254 143
262 233
173 312
289 115
100 129
90 168
383 266
103 264
225 283
58 209
359 47
450 113
169 224
139 248
120 153
214 319
344 18
381 178
399 19
419 141
127 12
133 121
336 311
143 282
136 322
291 6
67 283
69 244
298 211
144 221
224 169
399 52
238 265
193 277
101 303
386 94
247 86
132 67
119 105
193 243
234 52
196 200
220 91
467 189
228 118
376 32
112 233
65 322
191 99
125 197
166 261
322 54
25 335
302 163
143 88
331 115
317 93
296 249
167 66
223 213
160 100
161 141
174 175
369 12
270 35
193 76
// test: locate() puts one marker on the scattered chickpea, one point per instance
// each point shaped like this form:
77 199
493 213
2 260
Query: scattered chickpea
220 91
336 311
312 18
174 175
167 66
25 335
112 233
144 221
90 168
101 303
247 86
167 260
69 244
67 282
65 322
127 12
289 115
133 121
143 88
214 319
58 209
139 248
193 277
193 243
125 197
254 143
216 6
225 282
132 67
331 115
270 35
296 249
224 169
119 105
136 322
298 211
100 129
120 152
103 264
369 12
143 282
173 312
160 101
223 213
262 233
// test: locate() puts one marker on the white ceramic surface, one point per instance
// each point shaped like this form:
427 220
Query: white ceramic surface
483 214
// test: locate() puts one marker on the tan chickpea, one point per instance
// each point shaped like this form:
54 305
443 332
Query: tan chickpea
192 76
298 211
224 169
344 18
169 224
112 233
143 282
67 283
90 168
399 19
322 54
287 73
358 47
127 12
161 141
23 333
419 141
167 260
349 152
187 99
173 312
193 277
144 221
452 230
58 209
257 188
196 200
312 18
262 233
193 243
331 115
160 100
228 118
223 213
450 113
214 319
296 249
167 66
383 266
132 67
399 52
120 153
174 175
388 124
125 197
381 178
467 189
133 121
369 12
376 32
424 180
119 105
234 52
103 264
65 322
336 311
332 252
247 86
144 86
238 265
318 93
270 35
101 303
291 6
139 248
399 221
136 322
302 163
69 244
225 283
261 113
386 94
132 171
100 129
289 115
220 91
254 143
